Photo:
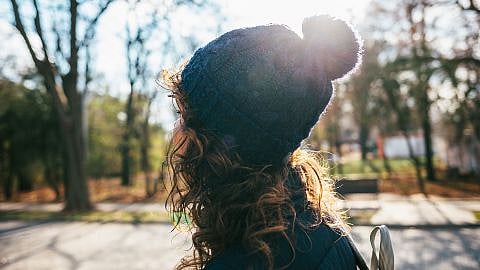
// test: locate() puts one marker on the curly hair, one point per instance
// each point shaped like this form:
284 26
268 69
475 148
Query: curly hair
229 203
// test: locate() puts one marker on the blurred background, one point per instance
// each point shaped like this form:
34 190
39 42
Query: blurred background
84 125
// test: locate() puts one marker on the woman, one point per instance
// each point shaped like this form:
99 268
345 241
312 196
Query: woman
246 101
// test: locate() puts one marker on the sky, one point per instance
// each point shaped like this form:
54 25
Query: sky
290 13
109 53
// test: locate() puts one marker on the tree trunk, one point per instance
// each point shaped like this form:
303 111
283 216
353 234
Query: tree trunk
24 182
363 136
126 179
149 187
338 147
162 174
403 117
6 176
424 108
386 165
427 137
416 163
423 75
76 190
126 151
8 186
145 159
146 170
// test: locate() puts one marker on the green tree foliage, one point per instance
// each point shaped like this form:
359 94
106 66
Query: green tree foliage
61 72
106 119
30 150
104 135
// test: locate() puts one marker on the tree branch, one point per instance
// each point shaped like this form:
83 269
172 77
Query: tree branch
44 70
90 30
38 29
73 59
471 6
21 29
456 60
58 41
70 79
88 75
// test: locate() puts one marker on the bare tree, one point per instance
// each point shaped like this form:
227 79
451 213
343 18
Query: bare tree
151 186
140 29
137 55
428 62
423 72
64 87
365 102
403 118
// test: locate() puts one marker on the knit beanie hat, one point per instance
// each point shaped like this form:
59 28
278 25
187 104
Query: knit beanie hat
262 89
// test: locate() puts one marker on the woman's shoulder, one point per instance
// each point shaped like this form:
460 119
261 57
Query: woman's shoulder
322 247
233 258
316 248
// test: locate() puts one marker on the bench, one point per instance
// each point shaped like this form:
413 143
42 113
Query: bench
351 185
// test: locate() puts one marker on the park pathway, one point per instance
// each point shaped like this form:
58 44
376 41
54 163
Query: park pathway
85 246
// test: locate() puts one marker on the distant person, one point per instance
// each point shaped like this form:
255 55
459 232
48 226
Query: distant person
246 100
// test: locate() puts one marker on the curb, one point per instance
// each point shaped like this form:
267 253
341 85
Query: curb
423 226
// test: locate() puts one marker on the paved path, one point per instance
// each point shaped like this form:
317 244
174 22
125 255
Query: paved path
415 210
420 249
77 245
55 207
86 246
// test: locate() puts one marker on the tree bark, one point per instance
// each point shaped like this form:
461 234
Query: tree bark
6 176
427 138
8 186
77 197
145 158
363 141
386 165
126 148
363 137
24 182
423 76
338 148
416 163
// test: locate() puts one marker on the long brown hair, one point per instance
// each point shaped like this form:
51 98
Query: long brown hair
229 203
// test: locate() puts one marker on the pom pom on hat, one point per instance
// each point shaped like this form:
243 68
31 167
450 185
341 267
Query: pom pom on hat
332 44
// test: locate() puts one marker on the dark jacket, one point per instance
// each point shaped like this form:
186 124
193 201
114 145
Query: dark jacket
318 248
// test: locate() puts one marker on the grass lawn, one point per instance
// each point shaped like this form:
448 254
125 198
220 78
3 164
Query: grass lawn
477 215
90 216
376 166
355 217
101 190
360 217
358 166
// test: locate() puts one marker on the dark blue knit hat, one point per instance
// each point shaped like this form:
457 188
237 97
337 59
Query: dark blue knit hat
262 89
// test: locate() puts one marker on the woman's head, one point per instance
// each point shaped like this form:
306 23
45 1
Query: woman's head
246 101
263 88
